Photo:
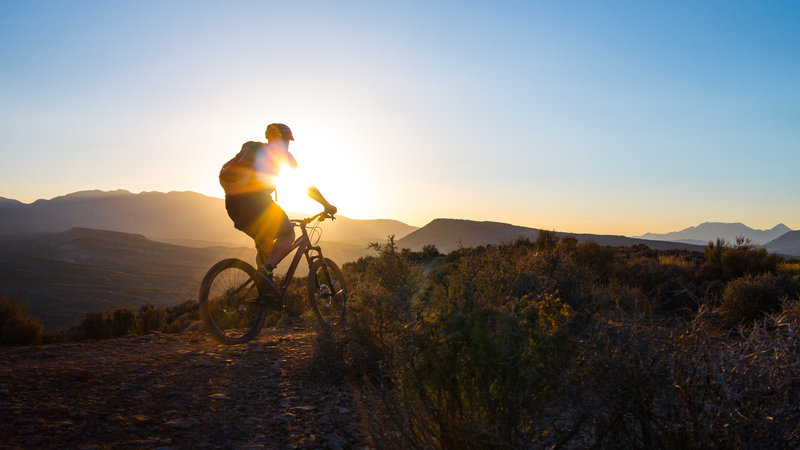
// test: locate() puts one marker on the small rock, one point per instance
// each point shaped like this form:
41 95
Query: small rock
309 442
280 418
181 424
304 408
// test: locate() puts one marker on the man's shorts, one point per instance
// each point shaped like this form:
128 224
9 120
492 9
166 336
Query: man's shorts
257 215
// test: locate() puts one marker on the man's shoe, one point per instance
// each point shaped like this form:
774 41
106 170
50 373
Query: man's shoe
266 280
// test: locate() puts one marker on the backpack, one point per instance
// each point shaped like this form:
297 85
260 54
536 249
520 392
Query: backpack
238 173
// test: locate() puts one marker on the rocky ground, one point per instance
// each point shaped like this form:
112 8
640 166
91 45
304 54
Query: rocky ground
179 391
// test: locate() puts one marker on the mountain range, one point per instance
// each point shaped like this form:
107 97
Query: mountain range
710 231
450 234
185 218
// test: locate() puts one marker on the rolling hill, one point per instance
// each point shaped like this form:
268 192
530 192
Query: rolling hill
450 234
710 231
62 276
788 244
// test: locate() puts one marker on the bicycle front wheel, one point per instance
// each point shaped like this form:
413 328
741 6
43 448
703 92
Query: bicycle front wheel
228 302
327 292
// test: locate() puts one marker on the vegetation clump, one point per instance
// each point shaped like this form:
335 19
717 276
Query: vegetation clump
16 326
556 343
127 321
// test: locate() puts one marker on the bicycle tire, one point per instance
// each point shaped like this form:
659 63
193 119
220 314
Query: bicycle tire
227 299
327 293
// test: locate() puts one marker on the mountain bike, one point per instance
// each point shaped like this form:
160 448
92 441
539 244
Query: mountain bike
234 302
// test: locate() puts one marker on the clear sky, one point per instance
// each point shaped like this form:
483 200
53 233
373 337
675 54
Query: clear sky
605 117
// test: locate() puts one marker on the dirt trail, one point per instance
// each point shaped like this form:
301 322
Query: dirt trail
175 391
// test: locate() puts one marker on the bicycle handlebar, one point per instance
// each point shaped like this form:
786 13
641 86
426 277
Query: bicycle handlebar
321 216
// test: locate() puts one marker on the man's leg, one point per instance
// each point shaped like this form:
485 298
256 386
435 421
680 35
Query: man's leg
280 248
275 236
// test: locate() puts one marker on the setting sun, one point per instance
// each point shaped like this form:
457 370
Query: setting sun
291 191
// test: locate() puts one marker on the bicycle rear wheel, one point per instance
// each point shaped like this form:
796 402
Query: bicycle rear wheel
228 302
327 292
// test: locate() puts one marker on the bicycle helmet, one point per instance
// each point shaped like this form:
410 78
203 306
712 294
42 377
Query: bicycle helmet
280 131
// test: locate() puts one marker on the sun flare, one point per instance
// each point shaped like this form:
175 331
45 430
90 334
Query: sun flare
291 191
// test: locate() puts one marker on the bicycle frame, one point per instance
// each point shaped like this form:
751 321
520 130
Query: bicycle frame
303 247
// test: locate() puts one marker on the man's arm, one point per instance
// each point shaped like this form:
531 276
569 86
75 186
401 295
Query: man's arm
315 194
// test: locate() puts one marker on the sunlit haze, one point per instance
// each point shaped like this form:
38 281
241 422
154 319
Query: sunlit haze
598 117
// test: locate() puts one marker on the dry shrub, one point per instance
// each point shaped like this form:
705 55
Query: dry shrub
181 317
789 268
725 262
95 325
677 261
296 297
747 298
620 297
16 326
123 322
126 321
151 319
600 259
639 389
790 309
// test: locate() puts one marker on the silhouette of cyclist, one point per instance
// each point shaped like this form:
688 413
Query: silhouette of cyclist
250 205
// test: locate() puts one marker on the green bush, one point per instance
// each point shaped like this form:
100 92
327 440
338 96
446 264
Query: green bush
16 326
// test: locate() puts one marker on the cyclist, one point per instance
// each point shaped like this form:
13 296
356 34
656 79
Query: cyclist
249 200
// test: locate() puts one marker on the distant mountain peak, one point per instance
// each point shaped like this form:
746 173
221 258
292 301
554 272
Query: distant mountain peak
709 231
90 194
98 193
9 201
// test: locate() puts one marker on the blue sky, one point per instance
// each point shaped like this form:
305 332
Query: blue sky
608 117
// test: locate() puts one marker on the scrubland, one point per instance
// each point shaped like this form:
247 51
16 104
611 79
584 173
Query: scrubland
549 343
558 344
